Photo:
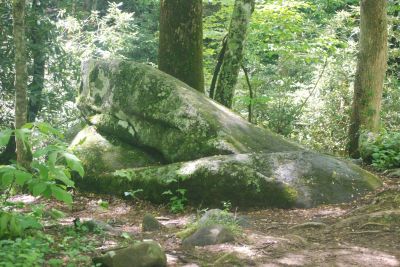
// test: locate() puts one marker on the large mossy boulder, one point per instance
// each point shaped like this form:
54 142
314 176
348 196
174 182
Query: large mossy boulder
159 134
145 107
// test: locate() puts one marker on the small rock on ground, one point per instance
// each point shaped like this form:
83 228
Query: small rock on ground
150 223
217 216
142 254
209 235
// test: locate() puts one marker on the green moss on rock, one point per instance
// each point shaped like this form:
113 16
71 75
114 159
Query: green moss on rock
168 115
99 155
242 180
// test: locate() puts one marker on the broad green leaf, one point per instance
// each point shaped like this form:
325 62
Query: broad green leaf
22 134
181 191
28 125
168 192
52 159
126 235
60 175
46 150
124 173
46 128
5 137
40 152
22 177
7 179
74 163
39 188
67 173
61 194
14 226
56 214
6 168
42 168
29 222
47 192
4 220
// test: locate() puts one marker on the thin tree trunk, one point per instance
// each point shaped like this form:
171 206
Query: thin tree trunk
181 41
217 68
234 51
394 43
251 96
38 46
370 74
20 77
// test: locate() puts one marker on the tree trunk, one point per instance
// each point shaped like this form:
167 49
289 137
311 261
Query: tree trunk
251 95
217 68
20 77
38 39
234 51
181 41
370 74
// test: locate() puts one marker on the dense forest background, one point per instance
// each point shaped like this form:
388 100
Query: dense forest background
300 57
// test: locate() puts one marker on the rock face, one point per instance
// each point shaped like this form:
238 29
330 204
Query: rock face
142 254
160 134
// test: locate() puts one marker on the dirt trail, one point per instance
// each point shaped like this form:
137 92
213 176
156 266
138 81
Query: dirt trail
363 233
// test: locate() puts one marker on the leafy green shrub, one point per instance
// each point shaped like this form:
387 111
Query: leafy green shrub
382 151
51 166
177 201
70 248
23 252
13 224
49 174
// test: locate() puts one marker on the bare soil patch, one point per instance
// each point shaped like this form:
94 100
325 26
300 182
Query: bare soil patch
363 233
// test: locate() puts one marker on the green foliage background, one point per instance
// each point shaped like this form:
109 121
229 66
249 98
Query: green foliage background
300 54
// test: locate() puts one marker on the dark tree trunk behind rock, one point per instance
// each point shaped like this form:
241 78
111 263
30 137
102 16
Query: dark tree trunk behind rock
181 41
371 68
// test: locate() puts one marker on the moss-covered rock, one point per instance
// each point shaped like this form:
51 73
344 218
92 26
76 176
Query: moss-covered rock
287 179
101 155
209 235
150 223
141 254
158 134
161 112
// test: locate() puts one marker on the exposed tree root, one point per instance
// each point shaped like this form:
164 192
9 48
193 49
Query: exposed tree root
373 224
309 225
386 216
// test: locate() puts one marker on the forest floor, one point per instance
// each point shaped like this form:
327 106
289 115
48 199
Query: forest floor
365 232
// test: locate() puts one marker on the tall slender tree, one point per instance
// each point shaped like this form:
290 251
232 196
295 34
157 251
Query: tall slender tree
233 55
38 37
181 41
370 74
21 77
